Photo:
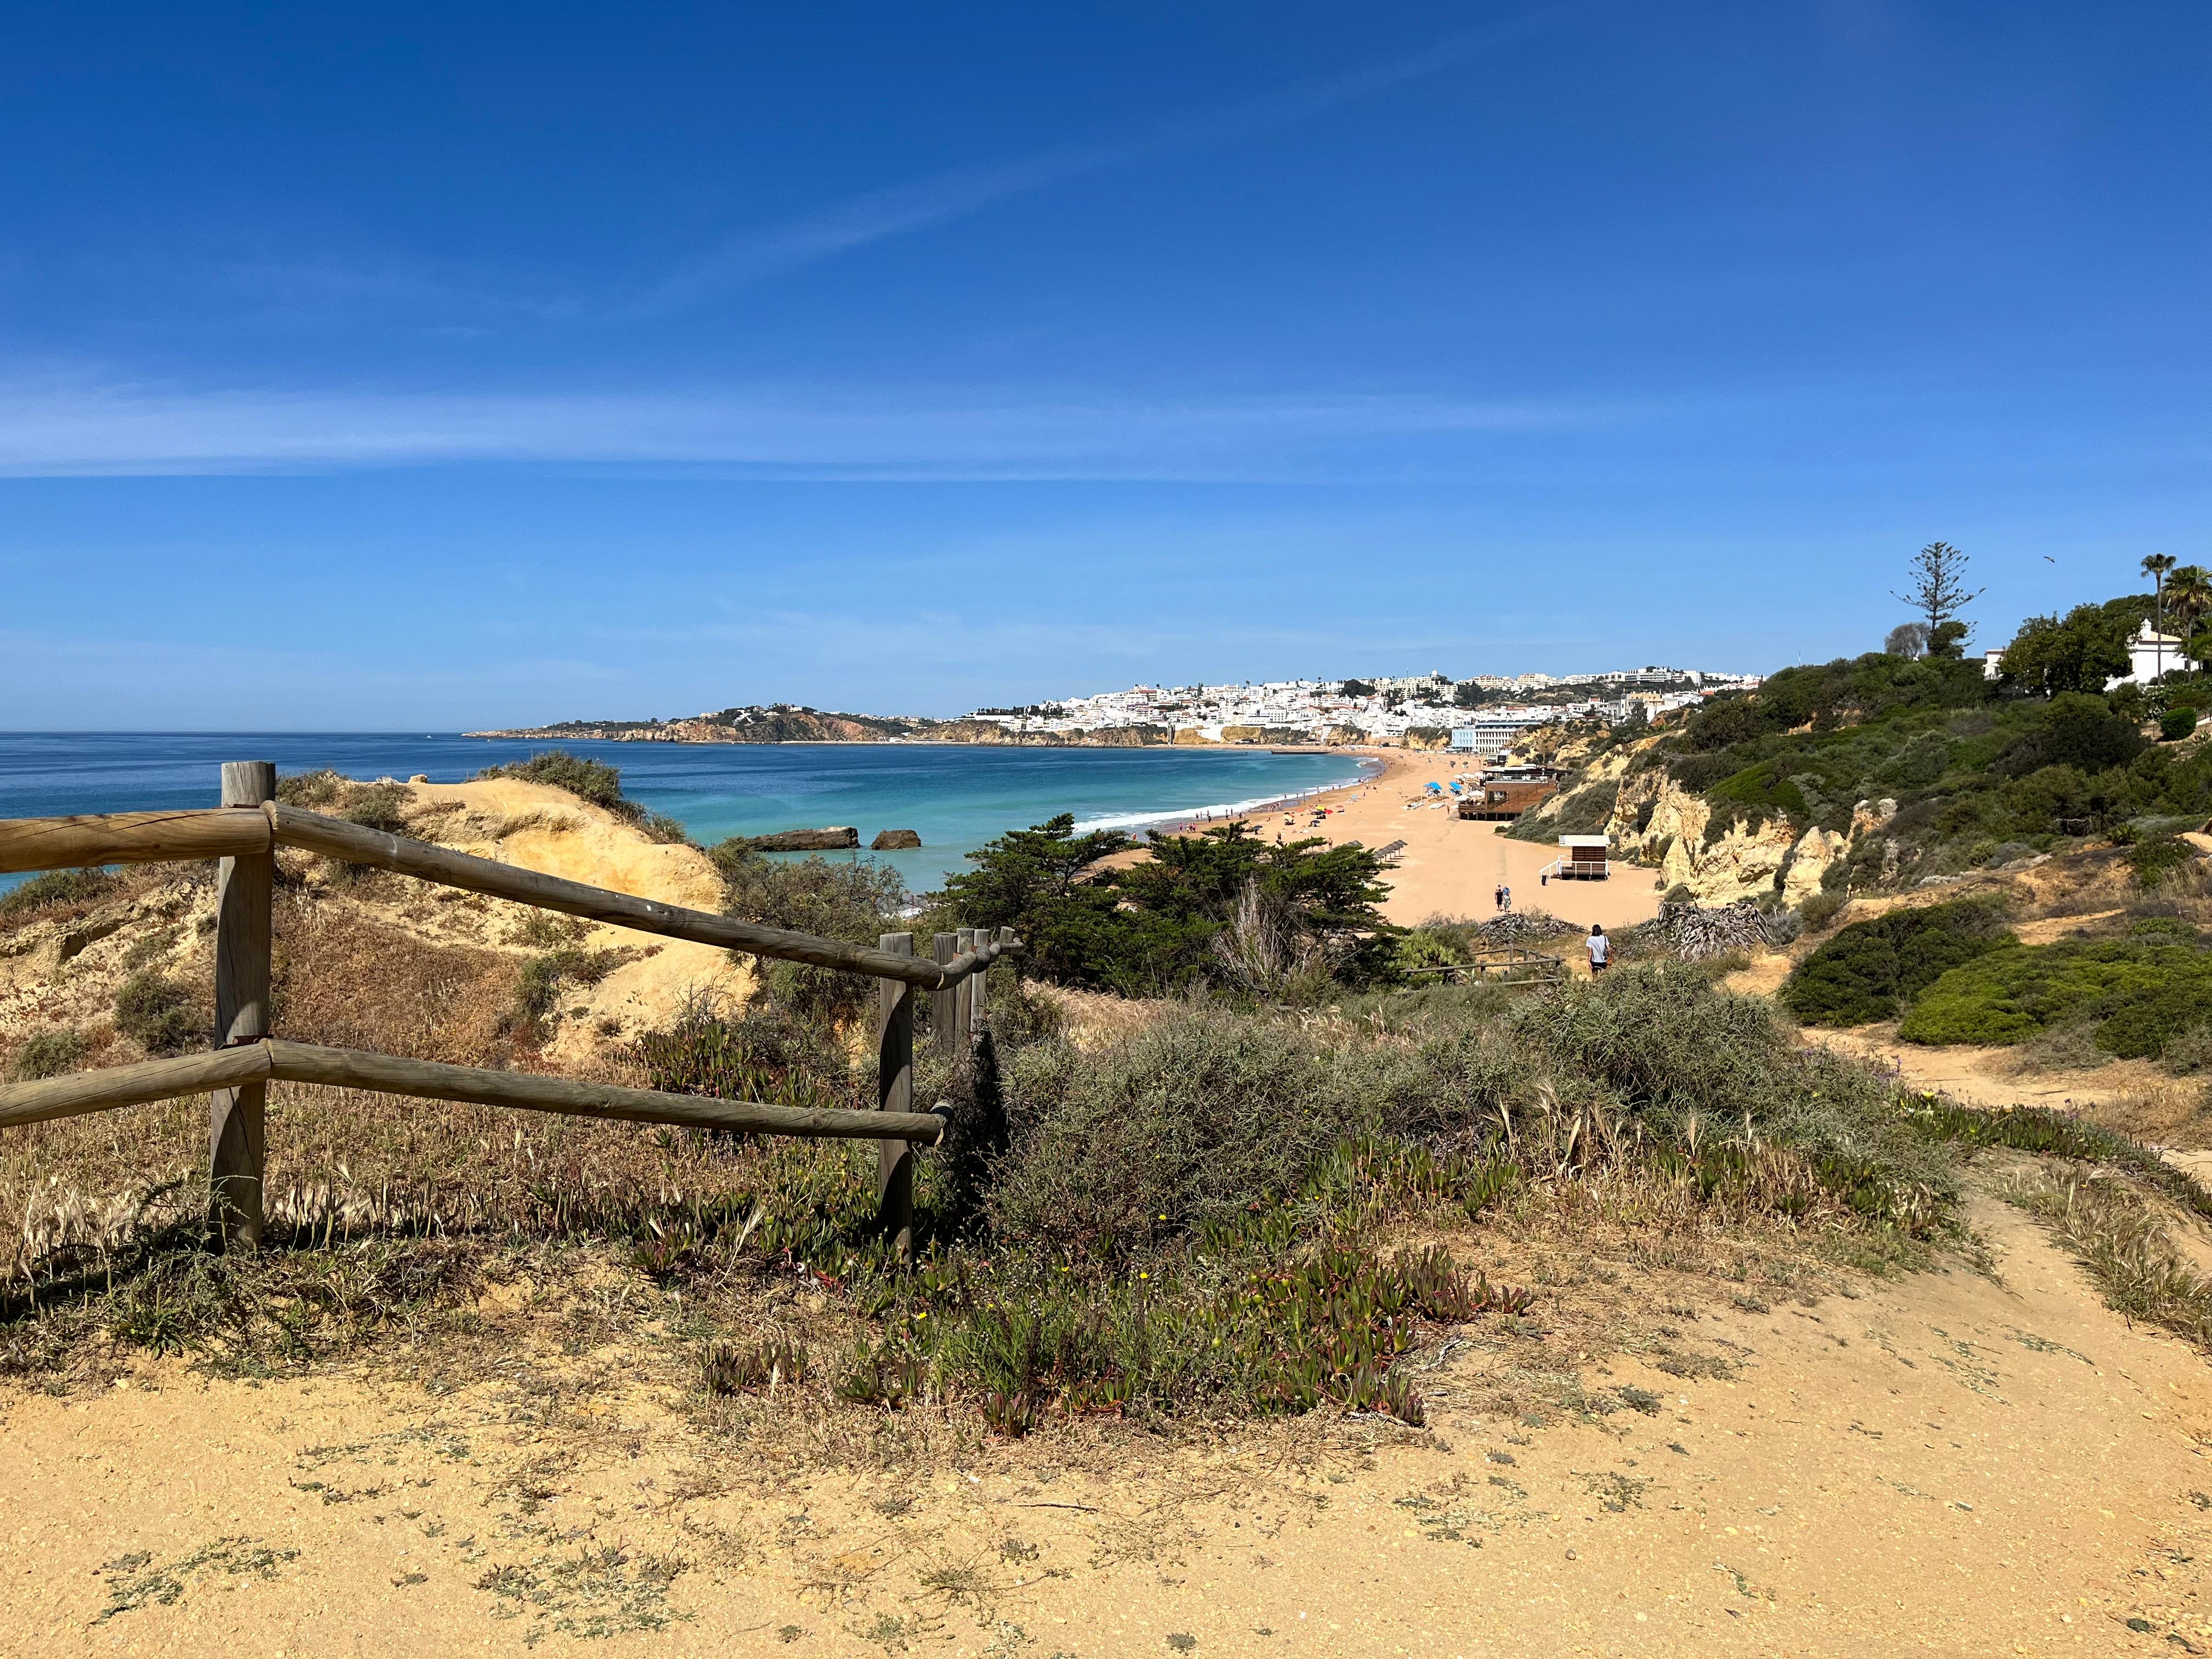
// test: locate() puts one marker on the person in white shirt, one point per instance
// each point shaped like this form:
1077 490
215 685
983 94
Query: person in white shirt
1601 947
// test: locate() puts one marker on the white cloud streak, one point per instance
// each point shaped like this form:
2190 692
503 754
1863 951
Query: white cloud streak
74 426
956 192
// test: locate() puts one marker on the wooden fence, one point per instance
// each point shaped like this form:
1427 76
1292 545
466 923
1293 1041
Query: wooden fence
1505 964
245 832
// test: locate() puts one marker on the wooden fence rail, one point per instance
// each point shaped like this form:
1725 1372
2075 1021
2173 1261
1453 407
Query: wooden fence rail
244 833
160 837
271 1060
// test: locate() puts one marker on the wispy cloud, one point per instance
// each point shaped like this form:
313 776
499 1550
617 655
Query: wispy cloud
73 425
956 192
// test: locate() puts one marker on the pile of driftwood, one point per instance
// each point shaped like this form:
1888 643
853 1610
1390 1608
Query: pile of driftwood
1694 933
1521 927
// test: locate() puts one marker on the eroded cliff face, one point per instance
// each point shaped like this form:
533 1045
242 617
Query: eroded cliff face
1655 821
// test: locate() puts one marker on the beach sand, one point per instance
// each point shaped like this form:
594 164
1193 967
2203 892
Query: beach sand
1450 867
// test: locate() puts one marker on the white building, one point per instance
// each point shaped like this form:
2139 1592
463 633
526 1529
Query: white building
2151 653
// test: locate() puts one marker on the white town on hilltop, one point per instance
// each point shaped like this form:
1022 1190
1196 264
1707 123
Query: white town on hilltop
1483 712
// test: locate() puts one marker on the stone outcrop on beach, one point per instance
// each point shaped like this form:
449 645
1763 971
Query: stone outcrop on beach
838 839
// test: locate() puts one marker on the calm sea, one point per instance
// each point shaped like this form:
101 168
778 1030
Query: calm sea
957 799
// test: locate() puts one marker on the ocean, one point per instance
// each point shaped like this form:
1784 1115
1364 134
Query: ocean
955 798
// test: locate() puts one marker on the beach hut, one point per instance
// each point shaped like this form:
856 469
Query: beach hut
1582 858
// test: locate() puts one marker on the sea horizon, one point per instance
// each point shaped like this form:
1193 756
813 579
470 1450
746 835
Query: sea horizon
955 796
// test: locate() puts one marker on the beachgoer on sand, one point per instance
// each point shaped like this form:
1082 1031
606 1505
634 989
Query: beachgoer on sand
1506 898
1601 947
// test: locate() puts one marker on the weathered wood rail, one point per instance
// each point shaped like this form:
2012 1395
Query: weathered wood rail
1508 965
244 833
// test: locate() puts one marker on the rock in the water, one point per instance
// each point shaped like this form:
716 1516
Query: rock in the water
419 777
834 840
895 840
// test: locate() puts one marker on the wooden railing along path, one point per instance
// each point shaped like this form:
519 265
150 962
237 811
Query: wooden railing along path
1505 964
245 832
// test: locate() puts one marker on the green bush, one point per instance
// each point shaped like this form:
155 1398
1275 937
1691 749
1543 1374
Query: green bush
2141 992
1220 910
1872 969
537 992
159 1014
312 790
377 806
55 888
49 1052
1819 909
856 900
1189 1120
1206 1115
586 780
2154 857
2176 724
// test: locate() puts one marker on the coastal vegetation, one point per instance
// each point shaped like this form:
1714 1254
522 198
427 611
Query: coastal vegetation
591 780
1873 969
1223 911
1916 761
1205 1164
1213 1212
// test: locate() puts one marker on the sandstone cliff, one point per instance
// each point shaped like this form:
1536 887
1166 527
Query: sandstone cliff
371 960
1653 821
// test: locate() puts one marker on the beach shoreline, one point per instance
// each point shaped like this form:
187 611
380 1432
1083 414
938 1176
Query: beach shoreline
1449 868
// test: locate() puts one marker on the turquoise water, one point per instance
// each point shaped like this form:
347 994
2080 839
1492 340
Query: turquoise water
957 799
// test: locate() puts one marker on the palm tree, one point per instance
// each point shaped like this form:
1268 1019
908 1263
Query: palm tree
2188 590
2154 565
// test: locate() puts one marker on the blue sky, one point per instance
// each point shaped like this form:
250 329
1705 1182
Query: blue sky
465 366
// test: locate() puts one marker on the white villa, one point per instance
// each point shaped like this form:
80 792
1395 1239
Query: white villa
2151 654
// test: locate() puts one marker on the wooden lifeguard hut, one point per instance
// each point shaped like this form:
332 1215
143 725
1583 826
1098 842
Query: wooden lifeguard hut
1582 858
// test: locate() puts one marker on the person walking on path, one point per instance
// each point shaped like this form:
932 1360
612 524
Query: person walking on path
1601 947
1506 898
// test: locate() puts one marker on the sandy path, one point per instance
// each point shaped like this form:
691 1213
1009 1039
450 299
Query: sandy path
1946 1464
1449 868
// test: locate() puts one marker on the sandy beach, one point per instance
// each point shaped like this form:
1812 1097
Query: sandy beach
1450 867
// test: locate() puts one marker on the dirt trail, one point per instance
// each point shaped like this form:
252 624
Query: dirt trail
1945 1463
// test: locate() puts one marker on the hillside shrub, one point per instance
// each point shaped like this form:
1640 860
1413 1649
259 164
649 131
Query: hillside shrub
1871 970
158 1014
49 1052
591 780
1222 910
1972 766
1189 1120
1818 909
377 806
2141 993
856 900
57 887
1206 1115
2176 724
2154 857
312 790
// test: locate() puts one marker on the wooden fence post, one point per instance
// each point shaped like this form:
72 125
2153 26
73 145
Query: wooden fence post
895 1093
964 1016
244 885
943 1003
979 1004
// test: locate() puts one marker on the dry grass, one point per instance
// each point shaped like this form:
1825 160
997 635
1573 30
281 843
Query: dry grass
2127 1245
